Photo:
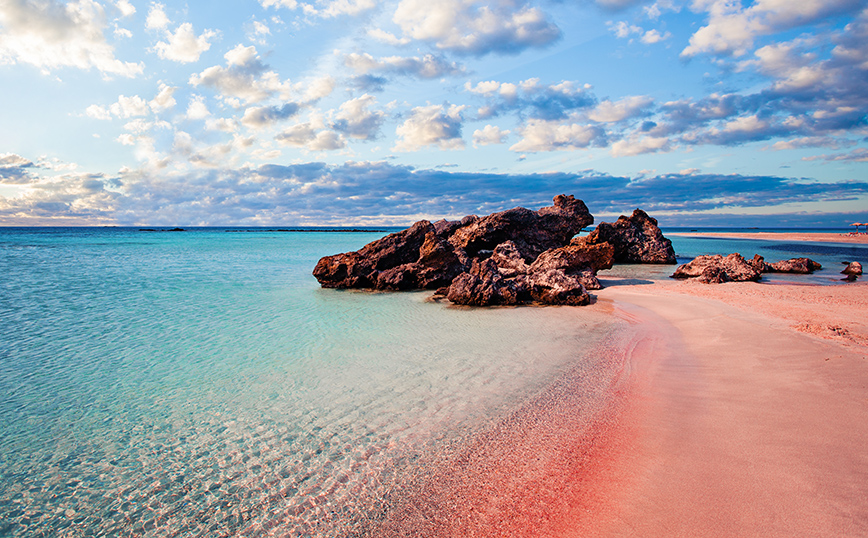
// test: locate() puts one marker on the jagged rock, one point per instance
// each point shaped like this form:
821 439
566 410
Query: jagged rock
716 269
793 265
438 264
759 264
852 269
555 287
483 285
578 259
361 269
508 260
532 232
636 239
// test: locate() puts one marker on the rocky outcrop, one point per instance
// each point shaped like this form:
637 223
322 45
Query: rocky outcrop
636 239
509 257
853 268
802 266
715 269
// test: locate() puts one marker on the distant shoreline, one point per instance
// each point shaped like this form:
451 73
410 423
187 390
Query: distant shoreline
861 238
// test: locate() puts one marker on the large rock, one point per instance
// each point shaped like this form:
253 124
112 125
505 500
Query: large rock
636 239
578 259
715 269
794 265
532 232
483 285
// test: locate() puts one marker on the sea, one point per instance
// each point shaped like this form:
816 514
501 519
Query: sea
200 382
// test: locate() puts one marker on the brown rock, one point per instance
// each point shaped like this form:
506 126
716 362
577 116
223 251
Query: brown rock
852 269
636 239
483 286
715 269
554 287
793 265
577 259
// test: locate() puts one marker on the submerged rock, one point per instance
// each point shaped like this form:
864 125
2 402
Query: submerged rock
852 269
715 269
636 239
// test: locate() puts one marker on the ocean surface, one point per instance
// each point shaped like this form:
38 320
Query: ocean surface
200 383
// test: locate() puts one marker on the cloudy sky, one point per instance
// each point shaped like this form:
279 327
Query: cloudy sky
297 112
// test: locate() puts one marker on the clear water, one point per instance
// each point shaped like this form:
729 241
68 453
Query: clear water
202 384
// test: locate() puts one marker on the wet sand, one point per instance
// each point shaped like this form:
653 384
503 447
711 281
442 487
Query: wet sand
860 238
749 423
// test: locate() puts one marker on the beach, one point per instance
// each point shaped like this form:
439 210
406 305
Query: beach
850 238
748 408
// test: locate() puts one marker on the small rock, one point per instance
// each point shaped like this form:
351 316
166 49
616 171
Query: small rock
715 269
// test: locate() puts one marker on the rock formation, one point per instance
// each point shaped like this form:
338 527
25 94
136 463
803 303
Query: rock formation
636 239
853 270
509 257
715 269
734 268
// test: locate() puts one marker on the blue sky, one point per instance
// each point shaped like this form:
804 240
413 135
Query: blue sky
364 112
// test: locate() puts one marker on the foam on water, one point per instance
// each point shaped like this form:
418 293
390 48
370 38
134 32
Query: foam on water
201 384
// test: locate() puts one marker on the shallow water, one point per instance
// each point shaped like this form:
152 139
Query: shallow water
202 384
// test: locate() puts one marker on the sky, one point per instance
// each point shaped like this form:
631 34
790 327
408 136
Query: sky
361 112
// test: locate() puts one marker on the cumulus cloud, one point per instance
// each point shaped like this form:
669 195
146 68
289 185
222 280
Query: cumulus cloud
164 99
357 118
858 155
489 135
311 136
543 135
638 145
425 67
15 169
157 18
732 29
125 8
543 101
244 77
433 125
184 45
263 116
197 109
627 108
51 35
475 27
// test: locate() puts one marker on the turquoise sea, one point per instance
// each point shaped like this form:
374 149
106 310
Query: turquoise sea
200 383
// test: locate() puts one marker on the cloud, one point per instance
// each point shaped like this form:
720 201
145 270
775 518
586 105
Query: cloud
812 142
638 145
433 125
475 27
164 99
626 108
356 118
323 8
858 155
312 137
125 8
184 46
733 29
543 135
157 18
244 77
50 35
426 67
196 109
364 193
543 101
263 116
654 36
15 169
489 135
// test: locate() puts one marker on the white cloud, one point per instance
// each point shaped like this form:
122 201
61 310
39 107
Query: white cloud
639 145
654 36
50 34
98 112
622 29
184 46
157 19
387 38
197 110
244 77
610 112
489 135
474 26
164 98
356 119
543 135
426 67
732 29
127 107
310 136
431 125
125 8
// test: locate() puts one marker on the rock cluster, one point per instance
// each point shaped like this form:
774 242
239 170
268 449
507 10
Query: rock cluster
853 270
715 269
511 257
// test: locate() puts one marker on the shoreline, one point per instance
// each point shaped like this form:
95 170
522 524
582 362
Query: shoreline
860 239
747 424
